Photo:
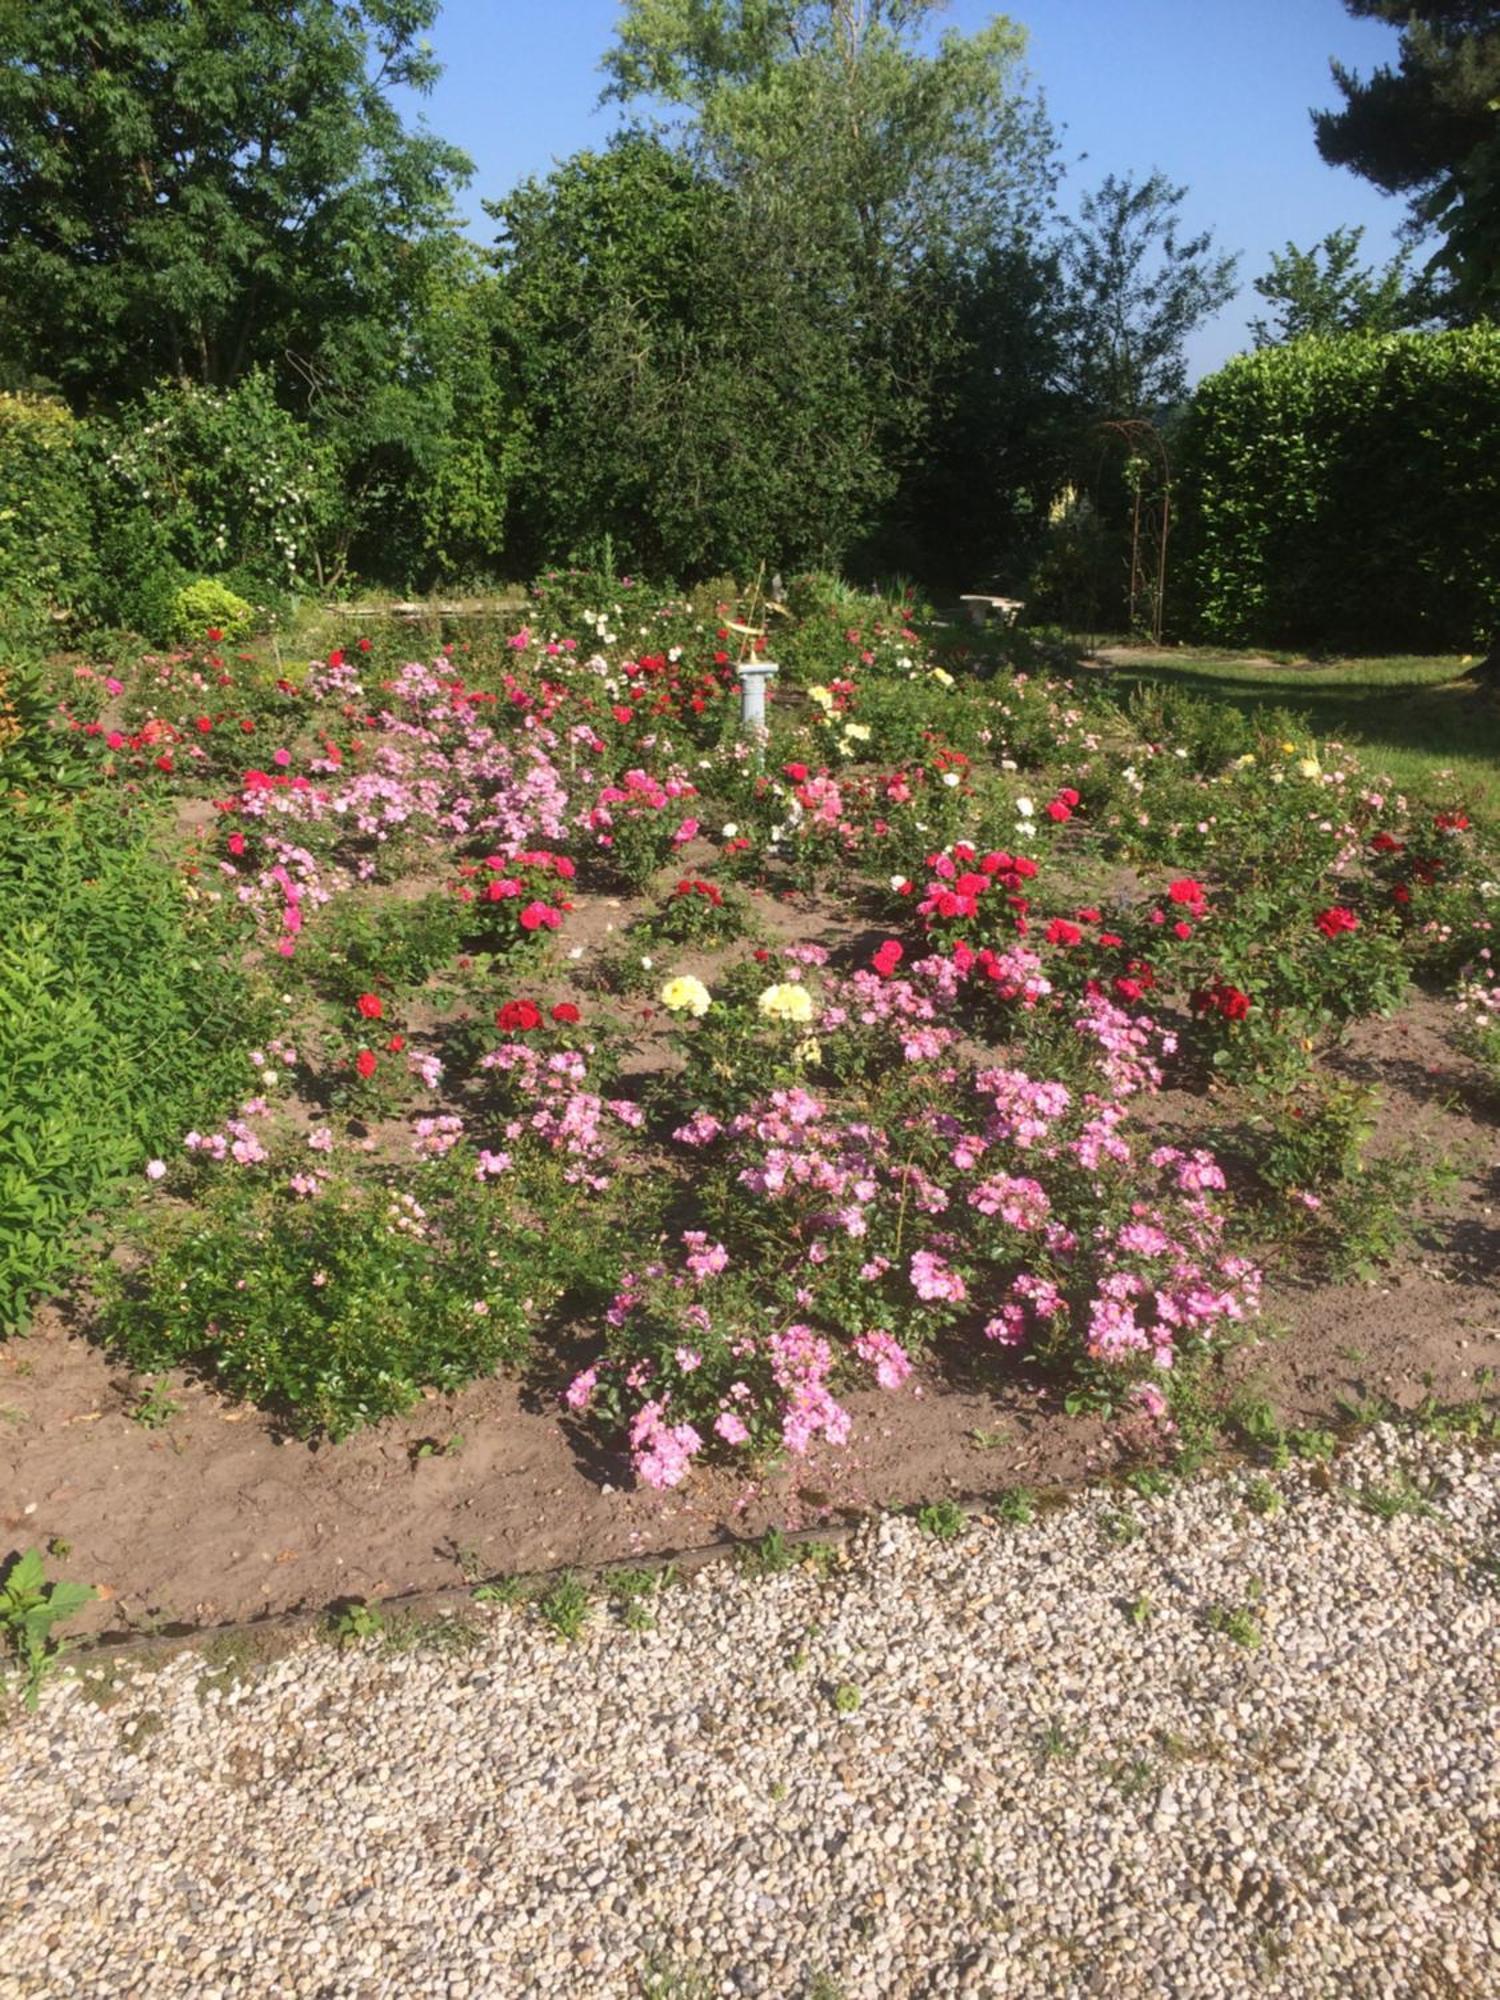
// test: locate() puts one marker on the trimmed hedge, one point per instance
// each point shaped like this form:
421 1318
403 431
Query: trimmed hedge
46 520
1344 493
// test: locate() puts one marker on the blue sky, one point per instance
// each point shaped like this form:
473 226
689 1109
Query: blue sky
1214 92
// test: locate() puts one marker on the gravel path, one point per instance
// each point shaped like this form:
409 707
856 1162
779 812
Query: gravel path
1036 1760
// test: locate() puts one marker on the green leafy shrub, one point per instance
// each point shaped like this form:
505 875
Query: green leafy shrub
46 542
337 1309
192 482
122 1019
30 1607
1345 492
206 604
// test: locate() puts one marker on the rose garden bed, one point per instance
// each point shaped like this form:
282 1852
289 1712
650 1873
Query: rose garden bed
606 1139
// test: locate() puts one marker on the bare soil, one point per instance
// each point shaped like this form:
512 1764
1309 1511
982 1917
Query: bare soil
215 1516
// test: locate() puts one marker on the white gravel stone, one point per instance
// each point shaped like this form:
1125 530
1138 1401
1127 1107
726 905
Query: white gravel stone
1022 1790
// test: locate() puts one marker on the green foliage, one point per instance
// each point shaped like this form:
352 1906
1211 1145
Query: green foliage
337 1311
838 171
191 483
200 606
354 1622
30 1609
565 1608
1345 493
702 424
187 192
1135 290
46 553
1325 291
944 1520
122 1020
1427 130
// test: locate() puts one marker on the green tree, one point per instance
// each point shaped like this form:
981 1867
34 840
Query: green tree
1429 129
1326 290
999 433
692 408
190 191
870 174
1134 291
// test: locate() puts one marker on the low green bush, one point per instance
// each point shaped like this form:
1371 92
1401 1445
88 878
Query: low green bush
337 1310
209 605
123 1018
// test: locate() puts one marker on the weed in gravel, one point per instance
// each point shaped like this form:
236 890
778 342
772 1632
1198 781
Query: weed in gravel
138 1730
1474 1419
1262 1498
565 1608
446 1632
770 1556
943 1519
847 1698
1237 1622
31 1609
823 1986
1130 1775
665 1978
1149 1481
231 1658
1121 1528
1363 1413
352 1622
1387 1502
634 1591
1017 1505
1054 1742
1140 1611
507 1590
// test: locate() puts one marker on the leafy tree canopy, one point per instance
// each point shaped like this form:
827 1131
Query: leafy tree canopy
190 188
1327 290
1134 290
1429 128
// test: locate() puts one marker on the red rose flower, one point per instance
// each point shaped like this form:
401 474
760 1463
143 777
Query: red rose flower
888 958
566 1013
1332 922
364 645
1187 891
370 1005
365 1063
1060 931
396 1044
518 1017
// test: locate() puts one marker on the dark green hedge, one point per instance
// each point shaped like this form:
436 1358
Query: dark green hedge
1344 494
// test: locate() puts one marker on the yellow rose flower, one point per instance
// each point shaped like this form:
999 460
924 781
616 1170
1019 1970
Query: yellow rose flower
686 995
786 1003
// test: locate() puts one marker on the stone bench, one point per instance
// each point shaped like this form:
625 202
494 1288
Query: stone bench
980 608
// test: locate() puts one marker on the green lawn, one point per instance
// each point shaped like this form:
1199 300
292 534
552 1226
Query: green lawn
1412 719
